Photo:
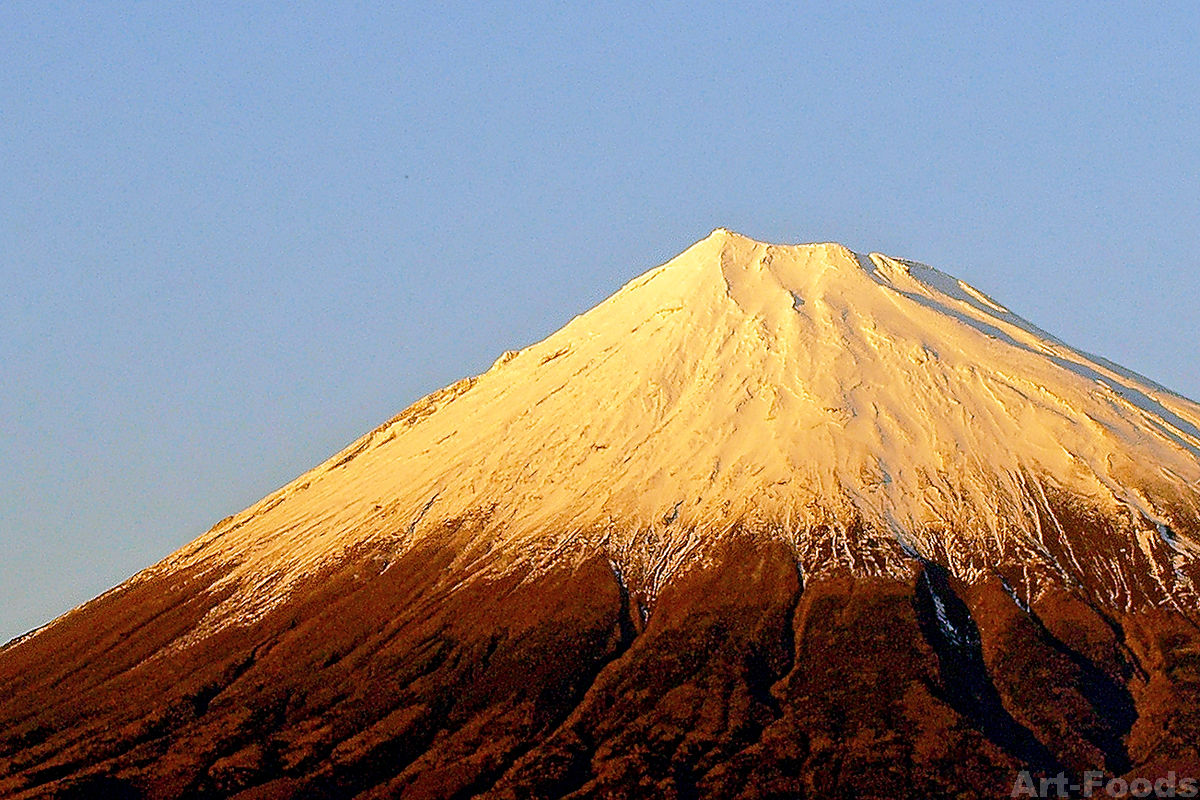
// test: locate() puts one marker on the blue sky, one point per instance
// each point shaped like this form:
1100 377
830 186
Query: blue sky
232 240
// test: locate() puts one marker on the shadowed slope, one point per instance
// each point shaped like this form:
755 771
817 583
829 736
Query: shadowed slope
744 683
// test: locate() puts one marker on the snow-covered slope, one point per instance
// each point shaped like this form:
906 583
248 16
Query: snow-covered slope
868 411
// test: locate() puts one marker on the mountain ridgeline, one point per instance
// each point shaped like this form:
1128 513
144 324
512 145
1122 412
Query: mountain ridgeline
772 521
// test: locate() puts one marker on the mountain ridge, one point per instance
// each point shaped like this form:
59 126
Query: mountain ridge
724 303
677 358
769 522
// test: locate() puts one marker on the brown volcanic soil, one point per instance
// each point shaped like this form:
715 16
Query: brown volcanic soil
744 682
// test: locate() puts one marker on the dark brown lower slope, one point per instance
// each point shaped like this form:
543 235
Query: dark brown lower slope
343 688
746 682
743 686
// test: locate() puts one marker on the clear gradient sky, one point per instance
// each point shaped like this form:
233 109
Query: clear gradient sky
233 240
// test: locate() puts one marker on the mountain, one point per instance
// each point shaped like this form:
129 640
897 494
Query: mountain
770 522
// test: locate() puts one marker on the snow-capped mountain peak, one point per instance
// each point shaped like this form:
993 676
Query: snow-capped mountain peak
864 409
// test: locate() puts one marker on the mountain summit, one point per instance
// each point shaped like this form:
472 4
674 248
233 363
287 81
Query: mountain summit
863 410
666 552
